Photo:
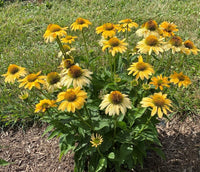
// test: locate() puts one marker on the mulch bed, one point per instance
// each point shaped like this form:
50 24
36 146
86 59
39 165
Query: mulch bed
30 152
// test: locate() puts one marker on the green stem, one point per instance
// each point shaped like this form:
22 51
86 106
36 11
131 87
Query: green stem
99 152
86 49
115 126
61 47
143 126
45 95
147 58
168 69
127 52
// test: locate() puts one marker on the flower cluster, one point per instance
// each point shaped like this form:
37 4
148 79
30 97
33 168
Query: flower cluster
110 98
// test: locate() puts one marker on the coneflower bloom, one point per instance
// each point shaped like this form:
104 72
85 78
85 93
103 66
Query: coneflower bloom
96 140
168 29
115 45
32 80
71 99
160 82
24 95
65 65
14 72
126 24
115 102
67 50
149 28
158 102
44 104
108 30
53 81
140 69
68 39
175 43
180 79
54 30
189 48
80 23
76 76
150 44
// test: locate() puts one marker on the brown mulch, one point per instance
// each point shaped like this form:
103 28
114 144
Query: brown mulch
30 152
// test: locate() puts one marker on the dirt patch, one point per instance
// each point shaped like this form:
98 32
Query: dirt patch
29 151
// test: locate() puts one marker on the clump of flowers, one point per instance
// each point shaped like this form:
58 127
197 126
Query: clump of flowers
105 110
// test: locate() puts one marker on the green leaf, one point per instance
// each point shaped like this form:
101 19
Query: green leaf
159 152
3 162
48 129
103 123
102 164
53 134
122 125
111 155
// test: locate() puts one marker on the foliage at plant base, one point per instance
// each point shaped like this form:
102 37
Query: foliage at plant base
105 108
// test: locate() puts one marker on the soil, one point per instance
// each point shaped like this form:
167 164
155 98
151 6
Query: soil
30 152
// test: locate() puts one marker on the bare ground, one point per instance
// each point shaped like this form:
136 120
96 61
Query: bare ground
30 152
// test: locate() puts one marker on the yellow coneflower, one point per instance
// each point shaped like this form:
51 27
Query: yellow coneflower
149 28
80 23
175 43
53 81
96 140
65 65
158 102
150 44
68 39
44 104
141 69
24 95
115 45
189 48
160 82
54 30
126 24
67 50
76 76
115 102
108 30
72 99
168 29
180 79
14 72
32 80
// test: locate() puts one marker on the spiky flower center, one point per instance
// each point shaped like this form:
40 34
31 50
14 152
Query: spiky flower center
176 41
141 66
32 77
55 28
151 25
75 71
68 63
114 42
13 69
108 26
189 44
151 40
53 78
116 97
80 21
160 82
70 96
169 28
45 105
158 100
181 77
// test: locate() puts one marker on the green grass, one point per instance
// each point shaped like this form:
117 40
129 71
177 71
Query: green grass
22 25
